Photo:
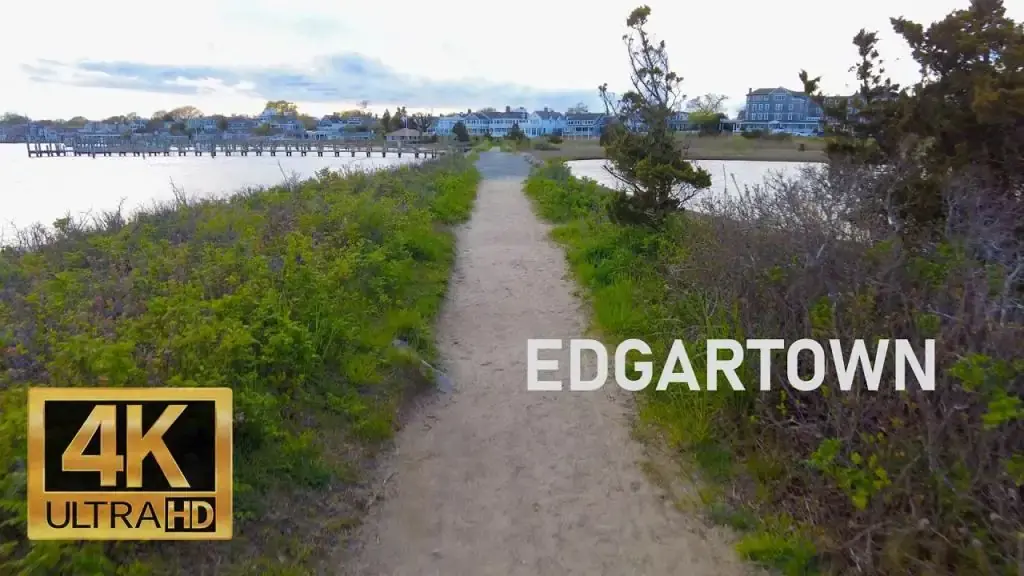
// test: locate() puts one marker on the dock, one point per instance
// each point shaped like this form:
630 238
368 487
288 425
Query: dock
106 146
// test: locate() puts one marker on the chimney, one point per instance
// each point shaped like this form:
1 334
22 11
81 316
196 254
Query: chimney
469 110
749 90
508 109
546 109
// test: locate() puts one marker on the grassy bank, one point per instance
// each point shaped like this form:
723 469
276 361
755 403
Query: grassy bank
864 482
722 147
291 296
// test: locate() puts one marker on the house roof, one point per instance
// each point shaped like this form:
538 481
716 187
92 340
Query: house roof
762 91
549 114
585 116
514 115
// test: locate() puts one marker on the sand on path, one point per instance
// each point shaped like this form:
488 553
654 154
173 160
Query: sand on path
492 479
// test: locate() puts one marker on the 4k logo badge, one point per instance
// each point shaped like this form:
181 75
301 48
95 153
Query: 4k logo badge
130 464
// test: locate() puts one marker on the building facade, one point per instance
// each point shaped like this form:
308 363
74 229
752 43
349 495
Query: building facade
584 125
781 110
544 123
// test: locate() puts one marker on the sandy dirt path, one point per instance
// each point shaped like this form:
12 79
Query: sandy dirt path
492 479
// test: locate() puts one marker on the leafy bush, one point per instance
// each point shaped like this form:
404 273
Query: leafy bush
766 135
542 145
912 231
896 483
292 296
555 139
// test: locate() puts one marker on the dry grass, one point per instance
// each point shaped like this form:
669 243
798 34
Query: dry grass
725 147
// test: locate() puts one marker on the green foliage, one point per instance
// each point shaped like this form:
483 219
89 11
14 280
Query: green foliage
963 117
658 180
292 297
781 547
516 133
281 107
900 467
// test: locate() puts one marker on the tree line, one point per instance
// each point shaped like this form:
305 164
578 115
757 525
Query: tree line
179 117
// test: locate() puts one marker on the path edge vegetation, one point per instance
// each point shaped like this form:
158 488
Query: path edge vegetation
294 296
911 230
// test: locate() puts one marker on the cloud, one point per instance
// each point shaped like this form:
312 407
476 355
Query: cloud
345 77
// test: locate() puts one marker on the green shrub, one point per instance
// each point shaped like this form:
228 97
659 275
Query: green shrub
291 296
918 471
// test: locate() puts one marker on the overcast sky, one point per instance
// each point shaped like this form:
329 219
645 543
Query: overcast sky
104 57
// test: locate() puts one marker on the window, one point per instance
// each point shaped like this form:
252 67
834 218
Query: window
790 117
790 106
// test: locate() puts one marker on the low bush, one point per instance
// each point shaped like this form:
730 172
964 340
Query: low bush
291 296
767 135
879 482
542 145
555 139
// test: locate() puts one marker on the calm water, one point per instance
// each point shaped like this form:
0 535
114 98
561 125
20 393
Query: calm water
43 189
726 175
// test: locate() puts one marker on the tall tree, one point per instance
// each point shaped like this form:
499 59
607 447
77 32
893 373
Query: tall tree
385 121
185 113
579 108
460 132
963 116
12 118
222 122
399 118
308 122
709 104
516 133
649 164
282 107
420 121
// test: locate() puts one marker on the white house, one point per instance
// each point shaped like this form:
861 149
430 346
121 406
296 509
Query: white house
477 123
499 124
544 123
502 122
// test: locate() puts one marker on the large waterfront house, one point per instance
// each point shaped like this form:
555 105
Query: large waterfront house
781 110
499 124
584 125
545 123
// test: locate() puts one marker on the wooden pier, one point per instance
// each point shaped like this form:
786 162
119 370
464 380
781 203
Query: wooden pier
94 146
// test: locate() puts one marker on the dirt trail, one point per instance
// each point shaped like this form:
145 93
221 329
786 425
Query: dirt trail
495 480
